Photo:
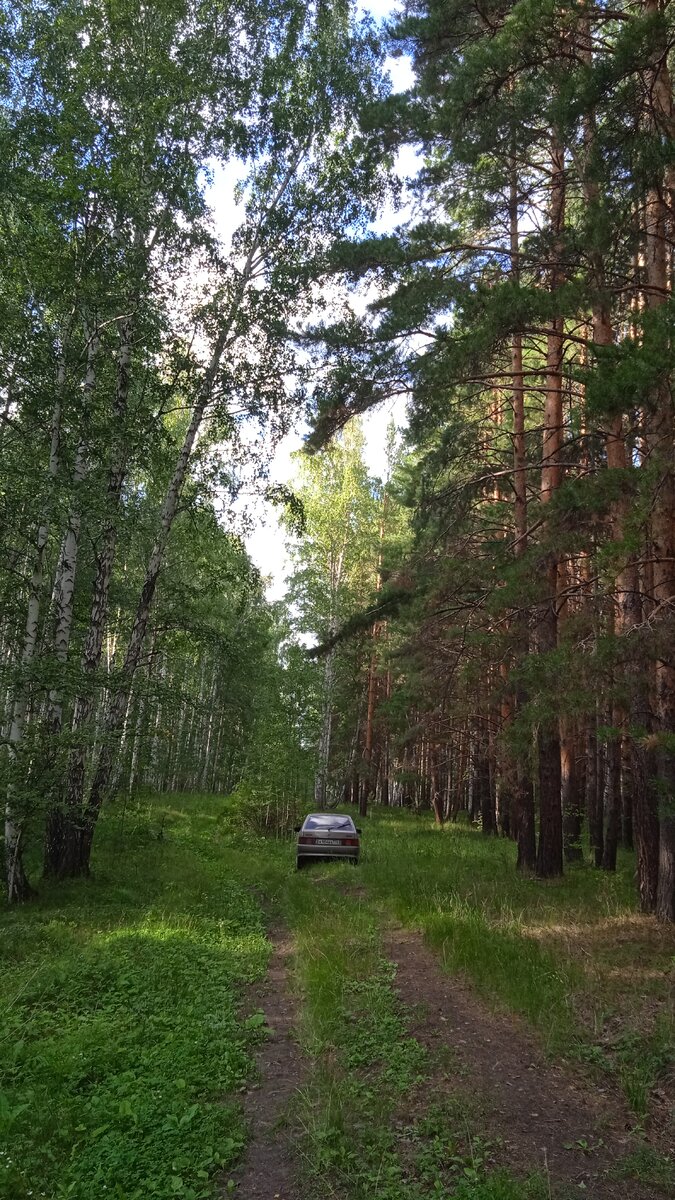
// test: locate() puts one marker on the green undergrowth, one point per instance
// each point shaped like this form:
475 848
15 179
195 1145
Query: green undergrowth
650 1167
462 891
572 956
121 1045
371 1131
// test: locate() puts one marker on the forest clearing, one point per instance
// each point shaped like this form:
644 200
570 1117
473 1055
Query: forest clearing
523 1054
337 474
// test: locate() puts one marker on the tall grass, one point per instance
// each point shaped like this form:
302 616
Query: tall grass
572 956
372 1129
121 1046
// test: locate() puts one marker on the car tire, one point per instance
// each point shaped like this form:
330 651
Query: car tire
299 864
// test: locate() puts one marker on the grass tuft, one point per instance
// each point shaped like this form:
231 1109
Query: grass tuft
121 1040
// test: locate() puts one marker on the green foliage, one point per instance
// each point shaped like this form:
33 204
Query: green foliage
369 1068
355 528
266 810
123 1046
514 939
647 1165
150 363
524 308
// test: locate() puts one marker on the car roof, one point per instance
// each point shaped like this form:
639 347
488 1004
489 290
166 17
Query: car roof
330 816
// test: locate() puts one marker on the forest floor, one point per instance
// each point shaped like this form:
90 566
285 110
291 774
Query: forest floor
198 1020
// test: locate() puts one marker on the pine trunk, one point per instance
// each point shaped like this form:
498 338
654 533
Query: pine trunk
593 804
550 848
611 804
523 792
661 447
572 805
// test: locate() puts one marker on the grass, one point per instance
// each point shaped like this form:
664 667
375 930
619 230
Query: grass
369 1132
572 956
123 1047
649 1166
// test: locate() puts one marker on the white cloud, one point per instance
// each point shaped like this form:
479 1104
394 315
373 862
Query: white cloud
267 542
401 72
379 9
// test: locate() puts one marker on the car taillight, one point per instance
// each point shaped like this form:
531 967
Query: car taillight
351 841
305 840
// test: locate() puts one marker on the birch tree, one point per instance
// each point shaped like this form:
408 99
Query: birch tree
179 339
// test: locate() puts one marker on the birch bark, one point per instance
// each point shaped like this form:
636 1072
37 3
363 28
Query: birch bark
18 887
64 596
58 836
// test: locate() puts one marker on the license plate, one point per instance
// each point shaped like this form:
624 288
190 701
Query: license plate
329 842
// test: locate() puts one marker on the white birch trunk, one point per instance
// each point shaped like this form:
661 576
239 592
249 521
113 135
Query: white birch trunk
103 780
17 884
65 582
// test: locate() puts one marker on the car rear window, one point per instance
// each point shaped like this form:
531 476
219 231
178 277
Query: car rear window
329 822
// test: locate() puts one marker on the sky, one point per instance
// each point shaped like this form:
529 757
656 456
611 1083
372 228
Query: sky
266 541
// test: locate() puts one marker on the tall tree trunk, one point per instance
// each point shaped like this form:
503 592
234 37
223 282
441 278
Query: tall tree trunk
611 803
206 750
82 834
612 791
661 446
486 794
436 798
79 854
18 887
626 581
505 816
572 805
523 794
64 607
64 587
215 776
626 795
373 682
550 848
386 756
593 801
325 736
61 840
371 702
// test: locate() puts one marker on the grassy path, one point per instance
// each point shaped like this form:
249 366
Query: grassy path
418 1090
269 1166
128 1038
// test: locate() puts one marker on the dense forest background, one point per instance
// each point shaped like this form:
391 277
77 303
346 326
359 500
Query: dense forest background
493 623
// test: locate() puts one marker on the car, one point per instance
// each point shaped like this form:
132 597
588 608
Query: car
324 836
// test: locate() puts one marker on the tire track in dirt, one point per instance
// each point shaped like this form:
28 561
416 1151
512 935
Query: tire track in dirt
540 1112
269 1168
